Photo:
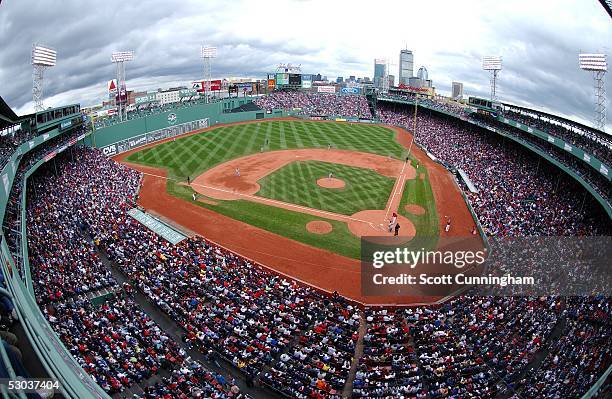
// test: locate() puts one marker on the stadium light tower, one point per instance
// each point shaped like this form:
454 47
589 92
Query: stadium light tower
598 65
492 64
120 58
207 54
43 57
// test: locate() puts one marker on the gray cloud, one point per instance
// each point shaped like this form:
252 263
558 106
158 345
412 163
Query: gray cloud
540 66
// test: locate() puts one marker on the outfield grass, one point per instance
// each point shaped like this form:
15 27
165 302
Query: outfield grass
296 183
418 191
191 155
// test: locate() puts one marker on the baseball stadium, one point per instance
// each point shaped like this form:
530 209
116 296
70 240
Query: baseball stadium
221 241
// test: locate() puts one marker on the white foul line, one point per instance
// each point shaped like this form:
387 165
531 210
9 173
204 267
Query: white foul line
401 179
335 216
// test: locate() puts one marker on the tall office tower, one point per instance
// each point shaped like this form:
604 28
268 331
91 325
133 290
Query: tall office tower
457 91
380 67
406 66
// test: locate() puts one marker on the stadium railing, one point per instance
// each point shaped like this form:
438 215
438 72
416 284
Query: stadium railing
596 164
594 390
575 150
53 355
603 201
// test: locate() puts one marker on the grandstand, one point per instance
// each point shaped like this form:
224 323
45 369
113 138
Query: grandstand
108 307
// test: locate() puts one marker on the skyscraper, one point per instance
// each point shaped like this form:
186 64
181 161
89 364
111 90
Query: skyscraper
406 66
422 73
379 72
457 91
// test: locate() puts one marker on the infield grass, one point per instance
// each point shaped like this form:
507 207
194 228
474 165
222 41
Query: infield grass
192 155
296 183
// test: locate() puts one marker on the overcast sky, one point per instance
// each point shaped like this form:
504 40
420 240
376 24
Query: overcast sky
538 39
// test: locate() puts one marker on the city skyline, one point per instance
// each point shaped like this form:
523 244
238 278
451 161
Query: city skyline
540 47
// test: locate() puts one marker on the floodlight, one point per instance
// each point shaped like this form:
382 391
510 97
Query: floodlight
208 52
598 65
122 56
43 55
492 63
593 62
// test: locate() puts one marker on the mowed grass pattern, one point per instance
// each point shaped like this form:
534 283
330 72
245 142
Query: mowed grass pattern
191 155
296 183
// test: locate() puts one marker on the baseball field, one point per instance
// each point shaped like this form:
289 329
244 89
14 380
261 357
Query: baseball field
321 184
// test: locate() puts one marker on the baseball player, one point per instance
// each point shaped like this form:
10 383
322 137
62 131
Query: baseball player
392 222
195 196
237 172
331 174
188 180
448 224
397 227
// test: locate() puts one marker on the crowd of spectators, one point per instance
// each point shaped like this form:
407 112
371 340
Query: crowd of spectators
148 109
117 344
578 165
317 104
290 337
193 380
319 363
592 142
389 366
12 219
518 195
63 260
10 141
444 106
576 359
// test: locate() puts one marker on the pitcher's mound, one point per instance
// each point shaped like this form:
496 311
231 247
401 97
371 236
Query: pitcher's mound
327 182
319 227
415 209
374 223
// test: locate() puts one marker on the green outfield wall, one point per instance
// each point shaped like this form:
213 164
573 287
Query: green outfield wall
55 358
173 121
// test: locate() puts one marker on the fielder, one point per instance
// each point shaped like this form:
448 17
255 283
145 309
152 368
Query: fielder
392 222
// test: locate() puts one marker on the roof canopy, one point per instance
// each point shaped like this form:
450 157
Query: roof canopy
7 116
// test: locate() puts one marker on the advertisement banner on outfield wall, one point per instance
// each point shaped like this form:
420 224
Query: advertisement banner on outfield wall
151 137
215 85
350 90
188 93
326 89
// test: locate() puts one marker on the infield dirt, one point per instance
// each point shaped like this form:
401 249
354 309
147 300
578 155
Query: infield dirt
317 267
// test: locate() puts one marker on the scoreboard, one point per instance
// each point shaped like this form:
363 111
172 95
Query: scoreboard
289 81
295 79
